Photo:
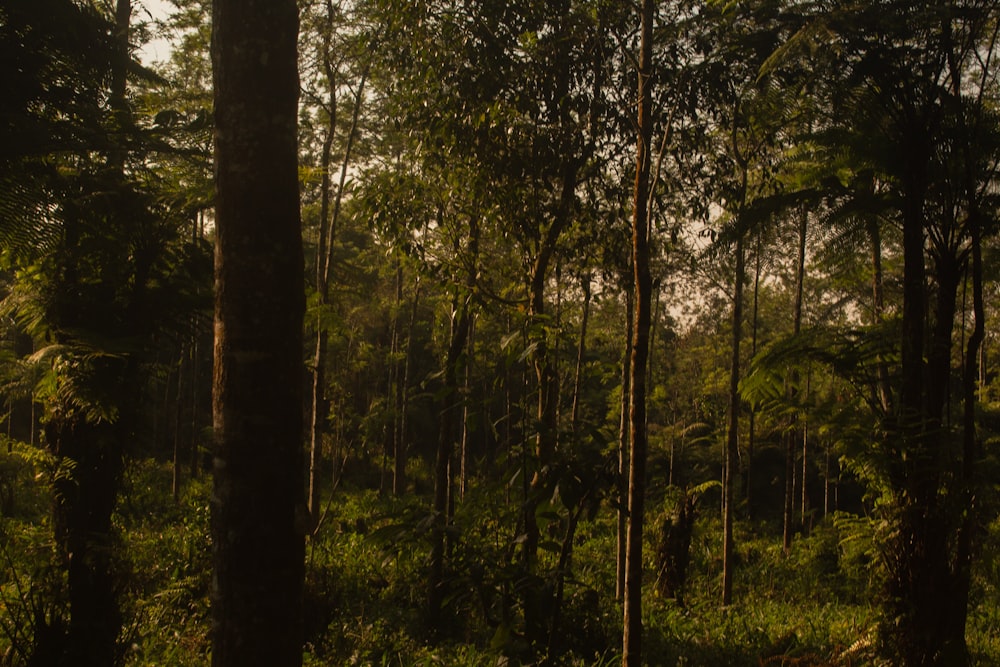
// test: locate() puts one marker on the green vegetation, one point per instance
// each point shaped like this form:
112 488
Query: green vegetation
364 595
507 306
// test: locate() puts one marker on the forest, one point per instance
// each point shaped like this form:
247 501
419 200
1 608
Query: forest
505 332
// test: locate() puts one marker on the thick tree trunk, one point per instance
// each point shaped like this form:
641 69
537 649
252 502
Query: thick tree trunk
84 503
632 612
259 514
921 580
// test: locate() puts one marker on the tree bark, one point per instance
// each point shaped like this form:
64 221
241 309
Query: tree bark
632 613
259 514
919 572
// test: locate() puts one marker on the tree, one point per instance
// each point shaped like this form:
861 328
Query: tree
325 93
259 517
86 241
910 82
904 76
632 620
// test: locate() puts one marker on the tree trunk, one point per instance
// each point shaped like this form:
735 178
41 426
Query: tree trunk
175 483
920 578
791 436
84 503
883 385
259 513
328 225
451 397
463 469
673 553
581 352
623 444
547 382
319 405
402 444
752 426
970 442
632 612
93 452
732 453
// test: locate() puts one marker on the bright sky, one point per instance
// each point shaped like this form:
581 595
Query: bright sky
157 50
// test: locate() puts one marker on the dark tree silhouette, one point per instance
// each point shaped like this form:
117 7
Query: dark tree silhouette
259 516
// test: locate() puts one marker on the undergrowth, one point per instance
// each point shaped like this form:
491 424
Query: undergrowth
365 587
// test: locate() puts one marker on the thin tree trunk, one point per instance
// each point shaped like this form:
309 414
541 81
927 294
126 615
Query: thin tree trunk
805 470
547 382
632 611
883 386
623 445
460 327
826 481
319 406
732 453
401 453
466 390
581 352
752 434
395 387
971 453
175 482
259 511
324 267
193 453
791 439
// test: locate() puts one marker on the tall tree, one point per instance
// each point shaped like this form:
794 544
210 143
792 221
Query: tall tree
632 620
258 513
93 250
792 435
908 78
903 73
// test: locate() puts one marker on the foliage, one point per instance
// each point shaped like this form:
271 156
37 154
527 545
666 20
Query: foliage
513 118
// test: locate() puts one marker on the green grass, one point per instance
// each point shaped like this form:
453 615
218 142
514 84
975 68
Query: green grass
365 587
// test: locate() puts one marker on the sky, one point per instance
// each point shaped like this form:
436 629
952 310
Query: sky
157 50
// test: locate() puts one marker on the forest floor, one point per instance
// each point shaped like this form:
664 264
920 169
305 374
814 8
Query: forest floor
366 586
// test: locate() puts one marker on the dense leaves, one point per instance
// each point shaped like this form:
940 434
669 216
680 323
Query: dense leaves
822 219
